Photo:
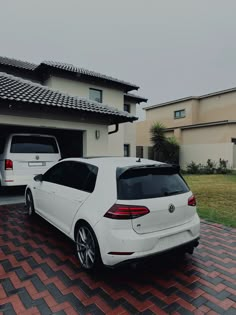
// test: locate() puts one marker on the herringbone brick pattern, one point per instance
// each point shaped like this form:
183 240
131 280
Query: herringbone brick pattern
39 274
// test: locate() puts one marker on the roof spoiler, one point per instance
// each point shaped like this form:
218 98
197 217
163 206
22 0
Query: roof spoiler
173 168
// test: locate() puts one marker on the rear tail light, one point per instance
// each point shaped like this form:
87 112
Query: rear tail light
123 212
8 165
192 201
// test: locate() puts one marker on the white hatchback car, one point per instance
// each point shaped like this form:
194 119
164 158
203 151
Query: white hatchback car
22 156
116 209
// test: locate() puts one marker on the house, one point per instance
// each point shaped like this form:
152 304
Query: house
87 109
205 127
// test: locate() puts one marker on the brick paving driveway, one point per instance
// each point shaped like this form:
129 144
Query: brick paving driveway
39 274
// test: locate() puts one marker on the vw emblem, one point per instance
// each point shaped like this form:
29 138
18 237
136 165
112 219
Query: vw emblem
171 208
37 157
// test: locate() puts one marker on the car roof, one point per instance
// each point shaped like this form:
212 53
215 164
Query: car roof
114 161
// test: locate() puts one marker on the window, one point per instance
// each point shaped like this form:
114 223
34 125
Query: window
2 144
126 149
139 151
33 144
95 95
145 183
56 174
233 140
127 108
179 114
81 176
72 174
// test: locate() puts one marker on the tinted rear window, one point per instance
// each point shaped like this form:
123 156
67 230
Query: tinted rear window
147 183
33 144
2 144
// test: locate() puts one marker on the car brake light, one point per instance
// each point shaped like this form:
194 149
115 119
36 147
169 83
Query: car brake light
8 165
123 212
192 201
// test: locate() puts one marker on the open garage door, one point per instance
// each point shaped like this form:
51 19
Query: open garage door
70 141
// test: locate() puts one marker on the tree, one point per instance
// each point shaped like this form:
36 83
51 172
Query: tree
158 139
165 149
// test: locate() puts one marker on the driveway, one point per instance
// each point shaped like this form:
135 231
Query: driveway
11 195
39 274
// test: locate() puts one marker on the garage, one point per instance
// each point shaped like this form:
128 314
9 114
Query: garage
70 141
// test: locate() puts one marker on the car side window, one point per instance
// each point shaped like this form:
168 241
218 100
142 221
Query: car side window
81 176
55 174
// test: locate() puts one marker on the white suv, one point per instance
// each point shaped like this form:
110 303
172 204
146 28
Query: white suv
22 156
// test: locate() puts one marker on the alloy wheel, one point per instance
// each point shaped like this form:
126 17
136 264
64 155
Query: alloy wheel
29 203
86 247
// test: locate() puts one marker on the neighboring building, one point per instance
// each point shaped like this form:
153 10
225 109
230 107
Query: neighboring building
204 126
96 87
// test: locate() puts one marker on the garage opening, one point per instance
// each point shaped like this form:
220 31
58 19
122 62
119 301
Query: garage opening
70 141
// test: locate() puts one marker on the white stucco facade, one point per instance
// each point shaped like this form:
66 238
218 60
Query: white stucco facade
110 96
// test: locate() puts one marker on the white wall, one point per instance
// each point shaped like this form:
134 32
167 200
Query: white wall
111 97
200 153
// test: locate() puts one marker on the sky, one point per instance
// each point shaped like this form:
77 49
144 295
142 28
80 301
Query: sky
170 48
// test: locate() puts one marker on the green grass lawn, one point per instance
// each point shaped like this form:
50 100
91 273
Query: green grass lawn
216 197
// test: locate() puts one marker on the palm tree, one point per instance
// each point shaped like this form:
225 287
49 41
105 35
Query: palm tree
158 139
165 149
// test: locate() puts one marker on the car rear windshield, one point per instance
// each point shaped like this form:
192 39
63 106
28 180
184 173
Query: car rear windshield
150 182
2 144
33 144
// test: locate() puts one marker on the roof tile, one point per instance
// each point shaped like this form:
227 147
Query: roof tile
18 63
17 89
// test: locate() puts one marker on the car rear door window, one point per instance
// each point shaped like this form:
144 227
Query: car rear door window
33 144
56 174
154 182
81 176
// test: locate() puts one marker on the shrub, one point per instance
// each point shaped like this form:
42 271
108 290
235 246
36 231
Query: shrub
194 168
222 167
211 167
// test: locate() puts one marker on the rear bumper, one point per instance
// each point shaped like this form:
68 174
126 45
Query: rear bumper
185 247
10 181
142 245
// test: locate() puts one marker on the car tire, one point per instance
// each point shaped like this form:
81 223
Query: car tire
87 247
29 203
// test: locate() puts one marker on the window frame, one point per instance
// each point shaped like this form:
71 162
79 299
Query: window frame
97 90
179 111
128 107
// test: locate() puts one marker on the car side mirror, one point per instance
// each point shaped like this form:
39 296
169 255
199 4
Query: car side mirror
38 178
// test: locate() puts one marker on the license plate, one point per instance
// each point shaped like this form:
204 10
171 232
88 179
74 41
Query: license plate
37 163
